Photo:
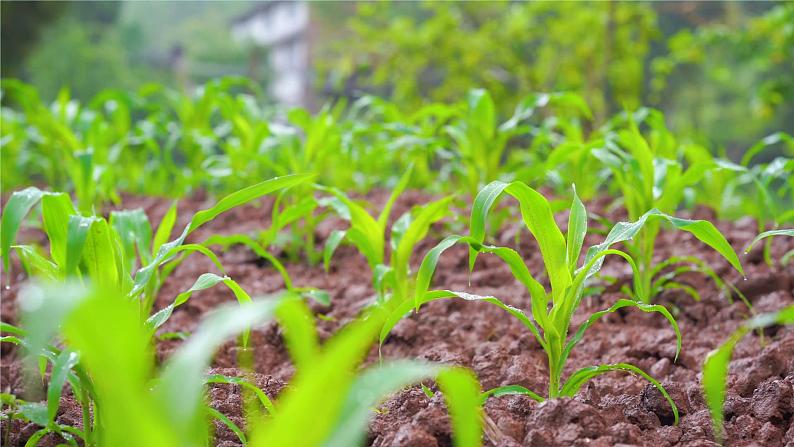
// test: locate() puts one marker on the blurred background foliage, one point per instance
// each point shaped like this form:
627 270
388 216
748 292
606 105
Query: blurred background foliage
720 71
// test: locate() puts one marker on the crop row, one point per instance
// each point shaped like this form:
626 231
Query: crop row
159 142
108 327
89 318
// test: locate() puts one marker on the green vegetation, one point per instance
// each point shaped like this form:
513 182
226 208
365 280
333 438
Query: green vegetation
550 327
715 368
666 130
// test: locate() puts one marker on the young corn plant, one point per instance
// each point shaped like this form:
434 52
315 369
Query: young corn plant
551 311
653 183
768 235
481 142
118 252
717 364
106 357
393 280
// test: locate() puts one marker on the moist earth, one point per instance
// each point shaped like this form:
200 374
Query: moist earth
613 409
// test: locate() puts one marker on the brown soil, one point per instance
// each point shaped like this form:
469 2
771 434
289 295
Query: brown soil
613 409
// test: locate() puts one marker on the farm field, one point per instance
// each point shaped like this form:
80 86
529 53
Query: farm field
424 254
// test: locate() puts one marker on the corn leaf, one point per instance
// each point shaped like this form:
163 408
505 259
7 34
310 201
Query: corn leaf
135 233
581 376
55 212
701 229
538 218
164 229
63 364
330 246
237 198
180 389
510 390
717 363
17 207
332 376
621 303
577 229
782 232
300 334
230 380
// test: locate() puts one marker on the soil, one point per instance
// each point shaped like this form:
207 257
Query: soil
613 409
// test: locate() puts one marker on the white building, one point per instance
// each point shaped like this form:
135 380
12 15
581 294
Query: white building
283 28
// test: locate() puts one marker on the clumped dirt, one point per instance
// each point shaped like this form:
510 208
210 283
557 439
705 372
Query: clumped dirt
613 409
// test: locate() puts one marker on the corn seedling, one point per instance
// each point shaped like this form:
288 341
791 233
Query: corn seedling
717 363
481 142
653 183
784 260
105 251
107 359
550 327
368 234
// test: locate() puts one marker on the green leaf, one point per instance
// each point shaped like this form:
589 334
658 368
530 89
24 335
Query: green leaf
538 218
399 312
398 189
35 264
369 388
135 233
462 393
55 212
331 376
17 207
35 412
115 349
510 390
63 364
577 229
237 198
165 227
581 376
416 231
263 398
99 255
228 423
330 246
782 232
621 303
717 363
300 334
180 389
244 196
701 229
77 234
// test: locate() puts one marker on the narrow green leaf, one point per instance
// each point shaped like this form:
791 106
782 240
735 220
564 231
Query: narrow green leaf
717 363
244 196
331 244
63 364
581 376
782 232
165 227
135 233
179 391
55 212
510 390
300 333
577 229
701 229
17 207
263 398
462 393
619 304
77 234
